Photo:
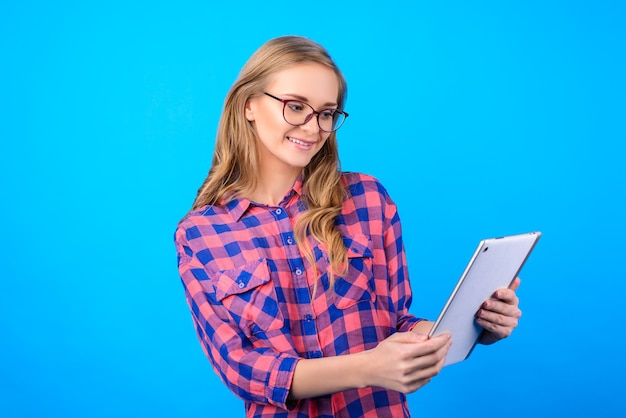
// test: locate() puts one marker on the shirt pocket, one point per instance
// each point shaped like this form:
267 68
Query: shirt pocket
250 297
358 284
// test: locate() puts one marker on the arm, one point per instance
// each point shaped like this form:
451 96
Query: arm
404 362
423 327
397 270
260 375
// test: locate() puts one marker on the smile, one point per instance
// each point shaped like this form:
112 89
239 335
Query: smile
300 142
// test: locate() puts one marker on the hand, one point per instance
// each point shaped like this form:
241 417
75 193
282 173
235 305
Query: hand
499 315
406 361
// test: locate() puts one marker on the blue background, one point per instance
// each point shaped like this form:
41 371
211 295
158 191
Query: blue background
481 118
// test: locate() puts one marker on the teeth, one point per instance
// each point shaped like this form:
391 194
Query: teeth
297 141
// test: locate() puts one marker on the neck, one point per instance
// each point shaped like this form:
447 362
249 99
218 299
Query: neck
272 186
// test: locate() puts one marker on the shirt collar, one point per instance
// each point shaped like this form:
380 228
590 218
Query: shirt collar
237 207
297 186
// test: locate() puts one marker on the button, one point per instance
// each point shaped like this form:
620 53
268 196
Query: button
279 211
309 317
289 240
298 272
242 285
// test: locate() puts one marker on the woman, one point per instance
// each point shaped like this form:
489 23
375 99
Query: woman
295 272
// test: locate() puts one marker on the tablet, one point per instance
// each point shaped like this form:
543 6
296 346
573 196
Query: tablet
494 265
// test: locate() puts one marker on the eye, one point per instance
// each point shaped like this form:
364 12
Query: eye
295 106
327 113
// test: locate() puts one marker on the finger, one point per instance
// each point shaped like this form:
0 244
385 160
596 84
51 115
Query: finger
434 344
498 319
505 295
498 311
493 310
429 359
427 366
494 321
424 356
494 331
505 307
497 332
508 293
417 385
430 365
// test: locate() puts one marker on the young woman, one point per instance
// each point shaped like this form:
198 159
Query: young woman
295 273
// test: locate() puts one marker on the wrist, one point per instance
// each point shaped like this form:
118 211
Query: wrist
362 369
423 327
326 375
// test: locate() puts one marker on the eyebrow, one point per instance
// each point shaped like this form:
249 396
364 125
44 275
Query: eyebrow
304 99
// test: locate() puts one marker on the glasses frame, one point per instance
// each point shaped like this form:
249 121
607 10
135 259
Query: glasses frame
310 115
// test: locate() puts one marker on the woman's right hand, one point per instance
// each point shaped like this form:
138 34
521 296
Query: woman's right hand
406 361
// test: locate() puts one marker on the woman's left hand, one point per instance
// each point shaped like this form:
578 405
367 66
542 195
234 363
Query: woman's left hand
499 315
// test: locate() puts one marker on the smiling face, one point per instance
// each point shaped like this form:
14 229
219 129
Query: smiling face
284 148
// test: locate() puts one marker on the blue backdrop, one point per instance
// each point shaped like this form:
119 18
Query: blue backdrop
481 118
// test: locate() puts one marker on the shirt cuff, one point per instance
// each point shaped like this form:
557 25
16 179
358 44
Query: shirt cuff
279 385
409 324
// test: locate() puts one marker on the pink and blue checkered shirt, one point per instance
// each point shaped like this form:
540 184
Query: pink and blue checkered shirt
249 290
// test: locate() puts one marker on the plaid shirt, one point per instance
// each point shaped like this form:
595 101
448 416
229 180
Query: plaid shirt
249 290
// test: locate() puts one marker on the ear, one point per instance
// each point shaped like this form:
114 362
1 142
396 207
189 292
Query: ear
249 110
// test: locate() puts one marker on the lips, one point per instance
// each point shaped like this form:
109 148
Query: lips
300 142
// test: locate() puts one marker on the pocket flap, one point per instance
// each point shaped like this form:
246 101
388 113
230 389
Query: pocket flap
241 279
358 245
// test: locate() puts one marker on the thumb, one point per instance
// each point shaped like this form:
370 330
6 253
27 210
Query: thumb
515 284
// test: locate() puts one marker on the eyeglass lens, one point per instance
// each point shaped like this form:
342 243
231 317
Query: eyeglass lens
299 113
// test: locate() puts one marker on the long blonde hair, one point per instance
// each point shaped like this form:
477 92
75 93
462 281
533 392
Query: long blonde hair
235 159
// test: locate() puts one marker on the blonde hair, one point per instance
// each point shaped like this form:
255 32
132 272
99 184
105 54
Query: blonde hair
235 159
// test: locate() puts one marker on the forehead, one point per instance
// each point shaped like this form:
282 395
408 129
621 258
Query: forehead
315 82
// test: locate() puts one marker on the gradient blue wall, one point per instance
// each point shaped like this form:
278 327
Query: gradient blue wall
482 119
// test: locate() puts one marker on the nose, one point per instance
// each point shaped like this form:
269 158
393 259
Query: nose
311 124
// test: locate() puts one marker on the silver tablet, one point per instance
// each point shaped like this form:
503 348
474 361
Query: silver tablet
494 265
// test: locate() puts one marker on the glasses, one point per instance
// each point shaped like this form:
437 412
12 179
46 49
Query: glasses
298 113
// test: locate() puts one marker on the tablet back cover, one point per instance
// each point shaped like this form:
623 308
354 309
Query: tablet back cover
495 264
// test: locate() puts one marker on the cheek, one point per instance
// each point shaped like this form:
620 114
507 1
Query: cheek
270 121
324 137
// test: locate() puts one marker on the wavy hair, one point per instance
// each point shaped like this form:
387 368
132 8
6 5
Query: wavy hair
235 160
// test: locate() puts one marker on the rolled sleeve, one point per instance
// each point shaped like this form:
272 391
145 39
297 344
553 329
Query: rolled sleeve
399 284
256 374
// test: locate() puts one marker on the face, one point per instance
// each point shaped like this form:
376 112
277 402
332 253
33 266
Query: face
284 148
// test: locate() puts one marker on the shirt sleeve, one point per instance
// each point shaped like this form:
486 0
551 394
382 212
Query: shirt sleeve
399 285
259 375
